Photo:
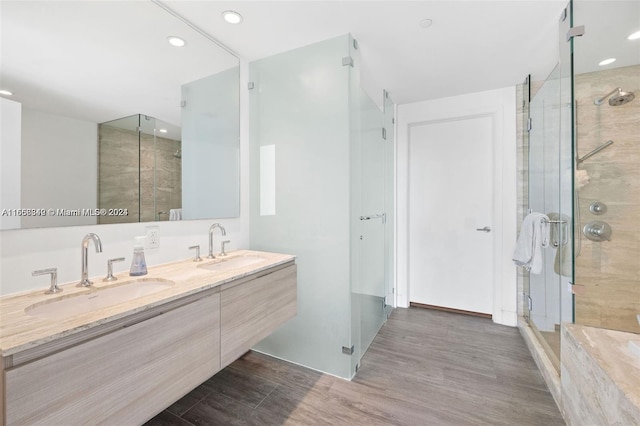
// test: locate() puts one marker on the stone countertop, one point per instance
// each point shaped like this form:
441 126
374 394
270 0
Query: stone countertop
611 351
20 331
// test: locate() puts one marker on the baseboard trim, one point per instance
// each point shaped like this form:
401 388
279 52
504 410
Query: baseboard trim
452 310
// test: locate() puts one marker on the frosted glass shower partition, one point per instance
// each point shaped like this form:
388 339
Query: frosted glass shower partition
309 120
210 149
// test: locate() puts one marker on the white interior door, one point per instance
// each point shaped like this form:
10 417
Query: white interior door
450 198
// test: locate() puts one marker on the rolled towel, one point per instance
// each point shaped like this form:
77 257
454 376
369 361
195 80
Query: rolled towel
534 236
175 214
582 178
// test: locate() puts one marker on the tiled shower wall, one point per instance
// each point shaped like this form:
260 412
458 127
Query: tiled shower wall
610 270
119 185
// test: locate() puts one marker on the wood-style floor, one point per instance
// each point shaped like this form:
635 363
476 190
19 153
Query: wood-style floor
425 367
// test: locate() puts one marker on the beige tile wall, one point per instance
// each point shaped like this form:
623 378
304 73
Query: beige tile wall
118 185
610 270
600 378
168 177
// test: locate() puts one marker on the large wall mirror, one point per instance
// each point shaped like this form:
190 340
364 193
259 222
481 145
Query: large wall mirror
110 120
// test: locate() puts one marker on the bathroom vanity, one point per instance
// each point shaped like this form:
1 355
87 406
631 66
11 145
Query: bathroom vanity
142 343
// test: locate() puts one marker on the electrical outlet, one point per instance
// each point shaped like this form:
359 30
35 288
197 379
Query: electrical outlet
153 237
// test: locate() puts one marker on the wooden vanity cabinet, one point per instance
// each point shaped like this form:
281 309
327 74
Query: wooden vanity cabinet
121 378
253 309
126 371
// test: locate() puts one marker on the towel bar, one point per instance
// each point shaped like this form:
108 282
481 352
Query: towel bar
556 221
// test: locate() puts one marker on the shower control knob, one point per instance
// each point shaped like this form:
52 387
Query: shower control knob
598 208
597 231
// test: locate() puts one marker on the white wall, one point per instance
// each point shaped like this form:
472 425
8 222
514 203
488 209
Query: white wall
59 167
22 251
501 103
10 114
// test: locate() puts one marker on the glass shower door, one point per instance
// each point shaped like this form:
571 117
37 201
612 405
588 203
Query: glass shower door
550 192
370 292
544 197
389 198
368 223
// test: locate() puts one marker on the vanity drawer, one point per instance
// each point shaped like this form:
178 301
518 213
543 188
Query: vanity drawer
121 378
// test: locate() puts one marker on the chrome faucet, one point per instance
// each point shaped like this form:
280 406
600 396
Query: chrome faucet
222 252
84 281
211 229
53 288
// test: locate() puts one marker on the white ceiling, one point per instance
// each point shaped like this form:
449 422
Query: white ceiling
101 60
607 26
471 46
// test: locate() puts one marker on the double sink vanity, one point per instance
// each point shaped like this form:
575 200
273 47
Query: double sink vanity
119 352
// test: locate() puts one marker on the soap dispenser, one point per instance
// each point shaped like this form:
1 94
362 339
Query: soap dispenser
138 264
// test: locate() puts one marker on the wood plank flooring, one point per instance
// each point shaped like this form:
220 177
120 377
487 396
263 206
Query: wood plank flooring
425 367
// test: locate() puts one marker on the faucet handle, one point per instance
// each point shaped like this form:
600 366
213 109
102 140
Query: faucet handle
53 288
197 249
110 276
222 253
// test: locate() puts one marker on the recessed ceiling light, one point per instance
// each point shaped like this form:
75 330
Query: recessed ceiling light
6 92
163 130
176 41
607 61
232 17
634 36
425 23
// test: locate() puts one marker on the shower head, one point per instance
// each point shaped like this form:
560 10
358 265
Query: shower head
178 153
620 97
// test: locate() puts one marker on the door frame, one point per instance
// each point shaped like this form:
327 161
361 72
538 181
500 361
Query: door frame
500 104
493 235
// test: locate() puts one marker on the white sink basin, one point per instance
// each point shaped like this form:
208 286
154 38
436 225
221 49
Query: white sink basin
65 307
232 263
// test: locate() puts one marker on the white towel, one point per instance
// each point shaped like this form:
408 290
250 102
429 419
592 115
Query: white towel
175 214
534 236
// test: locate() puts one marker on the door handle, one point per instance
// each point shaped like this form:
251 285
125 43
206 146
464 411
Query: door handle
382 216
485 229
